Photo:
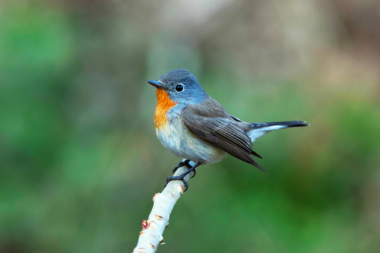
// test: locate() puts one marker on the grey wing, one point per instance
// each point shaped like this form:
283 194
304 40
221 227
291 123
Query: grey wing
221 132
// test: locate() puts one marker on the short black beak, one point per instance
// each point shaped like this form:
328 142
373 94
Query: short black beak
156 84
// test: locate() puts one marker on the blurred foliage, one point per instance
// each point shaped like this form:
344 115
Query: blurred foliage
80 161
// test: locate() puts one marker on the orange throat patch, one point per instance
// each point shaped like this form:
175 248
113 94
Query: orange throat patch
164 103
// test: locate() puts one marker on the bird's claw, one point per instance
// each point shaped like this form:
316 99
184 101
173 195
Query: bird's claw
194 173
182 178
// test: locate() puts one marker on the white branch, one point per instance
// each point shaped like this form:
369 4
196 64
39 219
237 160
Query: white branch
153 228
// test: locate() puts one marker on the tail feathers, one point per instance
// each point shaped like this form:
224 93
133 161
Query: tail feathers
257 155
254 163
259 129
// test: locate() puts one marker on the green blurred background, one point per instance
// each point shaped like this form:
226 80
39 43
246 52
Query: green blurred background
80 161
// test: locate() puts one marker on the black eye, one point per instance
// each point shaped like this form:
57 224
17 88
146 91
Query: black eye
179 88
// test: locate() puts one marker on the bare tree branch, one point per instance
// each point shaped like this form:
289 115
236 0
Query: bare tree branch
153 228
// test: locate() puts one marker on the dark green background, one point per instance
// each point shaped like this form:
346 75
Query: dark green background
80 161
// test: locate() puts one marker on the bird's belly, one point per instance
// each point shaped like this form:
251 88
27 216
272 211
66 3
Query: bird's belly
177 138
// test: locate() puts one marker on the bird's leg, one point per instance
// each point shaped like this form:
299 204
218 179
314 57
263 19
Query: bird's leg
183 163
182 176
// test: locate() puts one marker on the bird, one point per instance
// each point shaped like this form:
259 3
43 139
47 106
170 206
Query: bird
196 127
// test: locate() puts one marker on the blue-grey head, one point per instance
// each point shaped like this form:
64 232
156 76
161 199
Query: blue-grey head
181 86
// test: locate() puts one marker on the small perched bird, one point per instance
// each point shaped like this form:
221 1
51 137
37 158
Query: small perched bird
196 127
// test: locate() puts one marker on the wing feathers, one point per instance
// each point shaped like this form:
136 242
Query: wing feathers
222 132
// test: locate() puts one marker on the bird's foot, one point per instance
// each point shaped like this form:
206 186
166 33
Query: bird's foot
182 176
183 163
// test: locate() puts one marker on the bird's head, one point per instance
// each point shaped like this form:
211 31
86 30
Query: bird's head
181 86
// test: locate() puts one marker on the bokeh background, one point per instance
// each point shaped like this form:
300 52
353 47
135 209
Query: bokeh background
80 161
